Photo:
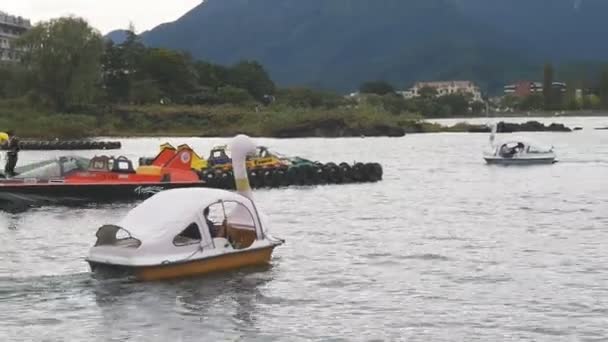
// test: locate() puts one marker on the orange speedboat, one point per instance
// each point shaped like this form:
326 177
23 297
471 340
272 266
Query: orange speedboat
75 180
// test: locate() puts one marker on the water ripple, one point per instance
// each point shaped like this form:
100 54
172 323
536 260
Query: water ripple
428 256
445 248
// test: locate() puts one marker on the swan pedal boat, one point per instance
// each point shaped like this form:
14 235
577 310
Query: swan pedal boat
167 237
188 232
520 152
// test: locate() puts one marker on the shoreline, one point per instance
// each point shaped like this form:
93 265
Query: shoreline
270 122
314 131
543 115
417 128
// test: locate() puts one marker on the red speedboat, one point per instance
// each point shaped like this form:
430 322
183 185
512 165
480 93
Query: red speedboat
74 180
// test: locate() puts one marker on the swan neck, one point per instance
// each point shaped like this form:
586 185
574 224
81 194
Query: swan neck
240 175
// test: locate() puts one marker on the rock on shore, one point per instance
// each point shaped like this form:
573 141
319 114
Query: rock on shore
530 126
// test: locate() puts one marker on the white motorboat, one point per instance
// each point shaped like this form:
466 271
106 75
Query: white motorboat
518 151
188 232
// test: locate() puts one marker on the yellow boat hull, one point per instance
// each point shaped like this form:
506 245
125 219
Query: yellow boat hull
221 263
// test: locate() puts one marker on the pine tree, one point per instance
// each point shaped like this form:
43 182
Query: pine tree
603 90
548 93
569 101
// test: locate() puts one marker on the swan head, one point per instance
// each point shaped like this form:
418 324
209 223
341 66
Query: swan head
242 146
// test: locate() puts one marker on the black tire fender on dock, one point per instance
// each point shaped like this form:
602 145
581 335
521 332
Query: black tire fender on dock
277 178
228 180
254 179
359 172
323 176
307 175
347 173
334 175
374 172
210 178
219 178
292 175
282 175
317 175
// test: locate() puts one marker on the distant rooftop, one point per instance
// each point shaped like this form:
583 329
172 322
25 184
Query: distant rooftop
6 18
441 84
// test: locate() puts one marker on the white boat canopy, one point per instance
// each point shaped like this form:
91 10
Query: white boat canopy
531 145
169 212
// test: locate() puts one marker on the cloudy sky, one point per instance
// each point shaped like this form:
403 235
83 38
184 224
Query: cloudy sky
105 15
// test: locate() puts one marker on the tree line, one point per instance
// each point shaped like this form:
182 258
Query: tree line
67 65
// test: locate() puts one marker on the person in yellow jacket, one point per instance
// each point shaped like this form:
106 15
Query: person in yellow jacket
12 154
3 141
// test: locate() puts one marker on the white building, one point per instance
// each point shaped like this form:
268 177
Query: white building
446 88
407 94
11 28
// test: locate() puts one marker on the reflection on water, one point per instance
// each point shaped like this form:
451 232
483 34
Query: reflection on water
191 305
446 248
180 308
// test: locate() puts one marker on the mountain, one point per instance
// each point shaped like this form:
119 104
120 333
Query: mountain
556 29
338 44
117 36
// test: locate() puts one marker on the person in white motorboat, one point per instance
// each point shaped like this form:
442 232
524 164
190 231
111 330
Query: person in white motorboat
518 150
508 151
504 150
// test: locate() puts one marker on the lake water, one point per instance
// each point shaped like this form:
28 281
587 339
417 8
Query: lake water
445 248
